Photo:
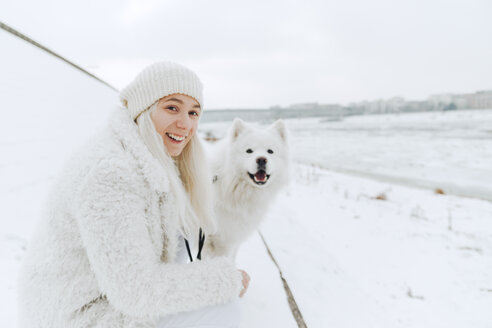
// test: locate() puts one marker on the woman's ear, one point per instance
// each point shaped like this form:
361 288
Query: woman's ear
279 127
238 127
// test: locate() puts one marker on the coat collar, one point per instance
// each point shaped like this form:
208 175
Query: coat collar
126 130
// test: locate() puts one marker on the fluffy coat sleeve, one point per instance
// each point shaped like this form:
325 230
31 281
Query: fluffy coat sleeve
134 280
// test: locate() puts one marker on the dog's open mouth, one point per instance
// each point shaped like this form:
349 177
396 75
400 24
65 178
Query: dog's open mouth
259 177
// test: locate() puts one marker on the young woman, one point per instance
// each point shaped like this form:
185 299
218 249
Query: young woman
110 248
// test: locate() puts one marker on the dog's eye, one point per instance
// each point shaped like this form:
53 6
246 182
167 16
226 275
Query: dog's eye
270 151
249 150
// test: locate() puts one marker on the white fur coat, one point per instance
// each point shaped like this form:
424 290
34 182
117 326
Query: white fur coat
103 254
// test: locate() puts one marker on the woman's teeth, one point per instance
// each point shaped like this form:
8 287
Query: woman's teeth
175 137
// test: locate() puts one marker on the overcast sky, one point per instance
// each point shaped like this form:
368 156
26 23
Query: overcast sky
253 54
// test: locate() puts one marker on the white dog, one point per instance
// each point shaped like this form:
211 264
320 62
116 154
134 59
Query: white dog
250 166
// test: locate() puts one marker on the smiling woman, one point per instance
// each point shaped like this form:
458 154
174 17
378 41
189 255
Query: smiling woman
109 250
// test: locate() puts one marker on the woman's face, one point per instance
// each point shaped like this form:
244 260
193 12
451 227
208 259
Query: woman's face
176 120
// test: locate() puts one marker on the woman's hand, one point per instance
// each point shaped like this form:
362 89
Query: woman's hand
246 280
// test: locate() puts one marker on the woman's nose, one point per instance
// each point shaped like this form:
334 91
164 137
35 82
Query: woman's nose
184 122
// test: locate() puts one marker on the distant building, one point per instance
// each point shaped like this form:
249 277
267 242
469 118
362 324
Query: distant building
392 105
477 100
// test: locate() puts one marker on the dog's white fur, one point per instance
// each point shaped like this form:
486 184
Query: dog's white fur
241 203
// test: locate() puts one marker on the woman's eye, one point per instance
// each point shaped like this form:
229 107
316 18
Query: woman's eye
172 108
270 151
249 150
193 113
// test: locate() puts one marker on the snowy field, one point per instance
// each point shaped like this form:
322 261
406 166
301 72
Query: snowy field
359 234
415 259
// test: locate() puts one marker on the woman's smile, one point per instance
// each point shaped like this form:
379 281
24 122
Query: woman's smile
175 137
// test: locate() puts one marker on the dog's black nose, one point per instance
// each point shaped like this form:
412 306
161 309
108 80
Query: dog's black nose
261 161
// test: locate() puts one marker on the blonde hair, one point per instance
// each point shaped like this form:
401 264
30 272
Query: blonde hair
189 178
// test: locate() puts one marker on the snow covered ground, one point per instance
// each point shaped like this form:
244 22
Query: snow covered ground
411 258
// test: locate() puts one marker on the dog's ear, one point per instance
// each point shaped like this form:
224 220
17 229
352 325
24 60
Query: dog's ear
280 128
238 127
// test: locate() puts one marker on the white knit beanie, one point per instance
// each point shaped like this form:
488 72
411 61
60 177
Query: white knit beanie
157 81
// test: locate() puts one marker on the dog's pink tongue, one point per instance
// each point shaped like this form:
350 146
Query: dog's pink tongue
260 176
